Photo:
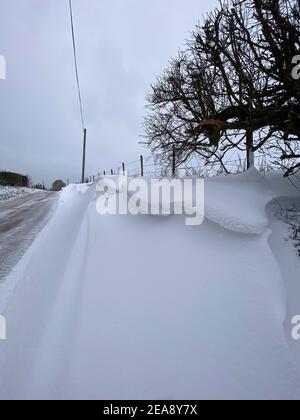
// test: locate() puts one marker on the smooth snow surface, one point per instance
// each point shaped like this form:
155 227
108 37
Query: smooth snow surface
238 205
144 307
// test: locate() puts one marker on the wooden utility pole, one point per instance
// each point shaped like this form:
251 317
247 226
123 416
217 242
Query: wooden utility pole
83 157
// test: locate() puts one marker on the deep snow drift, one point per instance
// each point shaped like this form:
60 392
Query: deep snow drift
144 307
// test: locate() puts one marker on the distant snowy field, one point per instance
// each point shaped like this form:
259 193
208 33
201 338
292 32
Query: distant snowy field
6 193
144 307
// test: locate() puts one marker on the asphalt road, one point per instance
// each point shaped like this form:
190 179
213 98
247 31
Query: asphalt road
21 219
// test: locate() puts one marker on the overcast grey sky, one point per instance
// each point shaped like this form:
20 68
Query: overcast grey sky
122 46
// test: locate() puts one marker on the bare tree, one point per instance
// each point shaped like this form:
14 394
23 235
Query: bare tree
232 88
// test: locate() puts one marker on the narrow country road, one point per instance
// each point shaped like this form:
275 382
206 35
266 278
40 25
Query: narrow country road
21 219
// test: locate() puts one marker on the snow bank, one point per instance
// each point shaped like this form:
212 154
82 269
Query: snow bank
238 202
61 230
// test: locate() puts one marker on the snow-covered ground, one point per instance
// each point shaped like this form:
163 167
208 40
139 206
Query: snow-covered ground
7 193
144 307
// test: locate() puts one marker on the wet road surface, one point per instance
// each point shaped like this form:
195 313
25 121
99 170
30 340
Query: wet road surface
21 219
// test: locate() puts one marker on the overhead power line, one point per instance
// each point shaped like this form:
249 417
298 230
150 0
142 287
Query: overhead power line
76 65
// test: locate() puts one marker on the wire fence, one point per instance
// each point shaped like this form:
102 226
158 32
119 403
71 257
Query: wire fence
148 167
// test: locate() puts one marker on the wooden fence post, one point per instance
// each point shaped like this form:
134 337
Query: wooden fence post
174 162
142 166
83 155
123 167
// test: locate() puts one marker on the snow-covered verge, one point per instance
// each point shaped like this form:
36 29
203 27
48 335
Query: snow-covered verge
6 193
123 307
238 204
